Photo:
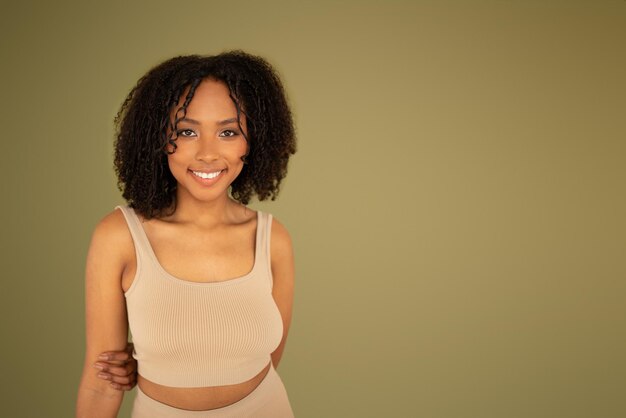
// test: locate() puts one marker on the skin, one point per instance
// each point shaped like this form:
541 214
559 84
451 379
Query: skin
209 140
118 367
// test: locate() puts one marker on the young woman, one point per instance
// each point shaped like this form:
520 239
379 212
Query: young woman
204 283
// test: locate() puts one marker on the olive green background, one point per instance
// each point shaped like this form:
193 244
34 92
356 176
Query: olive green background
457 200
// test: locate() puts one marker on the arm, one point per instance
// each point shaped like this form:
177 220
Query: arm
106 320
283 273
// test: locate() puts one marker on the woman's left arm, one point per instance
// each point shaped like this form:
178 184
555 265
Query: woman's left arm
283 273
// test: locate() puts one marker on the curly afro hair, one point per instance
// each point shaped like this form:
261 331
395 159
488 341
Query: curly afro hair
143 122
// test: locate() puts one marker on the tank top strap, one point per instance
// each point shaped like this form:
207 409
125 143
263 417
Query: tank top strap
264 229
142 245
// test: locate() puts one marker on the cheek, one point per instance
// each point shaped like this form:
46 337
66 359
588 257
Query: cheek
243 148
235 150
181 154
176 160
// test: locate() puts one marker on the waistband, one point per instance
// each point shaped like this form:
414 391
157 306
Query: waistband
257 403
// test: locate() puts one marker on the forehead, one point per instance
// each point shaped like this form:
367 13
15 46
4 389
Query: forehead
211 99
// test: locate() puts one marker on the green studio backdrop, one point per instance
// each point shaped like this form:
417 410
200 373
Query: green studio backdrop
456 203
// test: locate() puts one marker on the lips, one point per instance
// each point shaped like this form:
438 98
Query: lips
206 175
206 178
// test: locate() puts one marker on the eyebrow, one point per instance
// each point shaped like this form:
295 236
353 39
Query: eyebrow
221 122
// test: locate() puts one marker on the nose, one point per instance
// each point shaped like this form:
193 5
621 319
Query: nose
208 149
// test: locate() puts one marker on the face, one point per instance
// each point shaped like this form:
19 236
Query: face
210 144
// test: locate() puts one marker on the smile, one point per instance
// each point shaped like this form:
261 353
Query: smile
206 175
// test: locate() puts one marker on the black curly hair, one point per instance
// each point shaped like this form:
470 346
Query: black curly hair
143 122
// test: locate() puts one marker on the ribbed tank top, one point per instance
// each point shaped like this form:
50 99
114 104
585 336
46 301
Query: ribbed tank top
197 334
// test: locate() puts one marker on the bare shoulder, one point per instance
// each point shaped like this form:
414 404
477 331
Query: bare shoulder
113 228
112 237
281 254
280 238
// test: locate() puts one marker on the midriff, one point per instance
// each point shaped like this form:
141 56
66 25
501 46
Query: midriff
202 398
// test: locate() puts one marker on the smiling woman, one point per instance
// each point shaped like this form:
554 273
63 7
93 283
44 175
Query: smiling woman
208 155
204 283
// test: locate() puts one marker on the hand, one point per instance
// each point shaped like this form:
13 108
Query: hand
119 367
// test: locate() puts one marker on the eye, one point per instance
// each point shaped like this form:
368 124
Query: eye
229 133
186 133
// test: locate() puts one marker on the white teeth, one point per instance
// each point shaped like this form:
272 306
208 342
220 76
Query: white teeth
207 175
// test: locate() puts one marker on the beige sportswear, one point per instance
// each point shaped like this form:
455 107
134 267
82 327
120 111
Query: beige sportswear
190 334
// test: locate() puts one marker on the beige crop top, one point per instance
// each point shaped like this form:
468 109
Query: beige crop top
190 334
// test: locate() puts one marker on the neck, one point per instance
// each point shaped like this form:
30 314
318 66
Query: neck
203 214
